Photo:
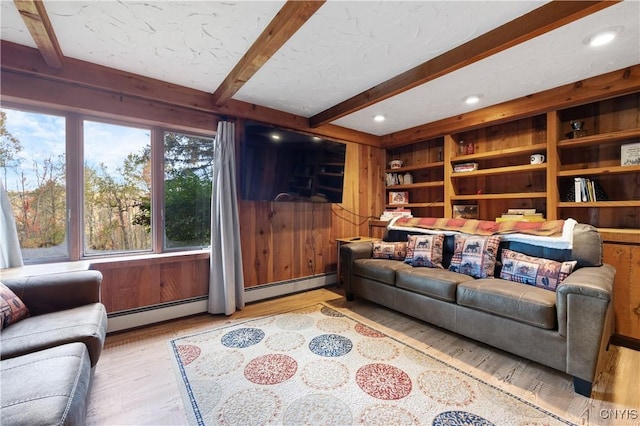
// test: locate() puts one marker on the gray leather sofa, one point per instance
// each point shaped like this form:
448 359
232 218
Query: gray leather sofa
566 330
48 359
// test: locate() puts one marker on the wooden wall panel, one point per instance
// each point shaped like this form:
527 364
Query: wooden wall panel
146 281
626 259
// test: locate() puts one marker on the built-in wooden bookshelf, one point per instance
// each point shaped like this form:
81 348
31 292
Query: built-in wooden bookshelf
505 179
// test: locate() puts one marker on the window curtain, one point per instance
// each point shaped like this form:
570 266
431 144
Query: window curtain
226 282
10 254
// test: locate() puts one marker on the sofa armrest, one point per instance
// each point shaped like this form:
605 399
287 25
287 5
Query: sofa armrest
43 294
584 302
349 253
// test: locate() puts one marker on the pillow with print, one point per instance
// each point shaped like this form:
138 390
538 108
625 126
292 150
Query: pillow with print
386 250
12 309
474 255
425 250
536 271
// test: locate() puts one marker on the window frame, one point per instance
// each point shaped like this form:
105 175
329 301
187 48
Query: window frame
74 163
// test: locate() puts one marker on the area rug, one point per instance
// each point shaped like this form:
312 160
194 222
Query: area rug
317 366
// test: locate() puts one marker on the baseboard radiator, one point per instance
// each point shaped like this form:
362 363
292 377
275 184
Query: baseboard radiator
133 318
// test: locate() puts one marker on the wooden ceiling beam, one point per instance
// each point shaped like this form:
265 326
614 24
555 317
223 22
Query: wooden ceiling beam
35 17
535 23
287 21
601 87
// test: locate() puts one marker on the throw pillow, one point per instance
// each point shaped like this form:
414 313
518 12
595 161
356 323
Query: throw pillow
425 250
474 255
385 250
543 273
12 309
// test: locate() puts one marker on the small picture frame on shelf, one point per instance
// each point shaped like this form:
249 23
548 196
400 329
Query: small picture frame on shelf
465 211
630 154
398 197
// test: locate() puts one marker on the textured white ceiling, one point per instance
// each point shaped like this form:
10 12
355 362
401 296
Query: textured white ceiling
349 47
344 49
551 60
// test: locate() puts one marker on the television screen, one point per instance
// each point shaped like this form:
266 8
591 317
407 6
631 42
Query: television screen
283 165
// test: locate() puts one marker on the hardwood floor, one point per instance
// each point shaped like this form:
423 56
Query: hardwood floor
135 384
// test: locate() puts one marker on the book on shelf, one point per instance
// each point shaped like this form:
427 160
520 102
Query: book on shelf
587 190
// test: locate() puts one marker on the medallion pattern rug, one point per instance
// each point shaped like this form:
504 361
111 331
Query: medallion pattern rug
317 366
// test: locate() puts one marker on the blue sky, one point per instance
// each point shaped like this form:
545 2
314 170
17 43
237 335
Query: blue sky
42 136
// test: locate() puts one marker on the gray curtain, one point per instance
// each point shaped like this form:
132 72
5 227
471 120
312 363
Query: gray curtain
226 282
10 254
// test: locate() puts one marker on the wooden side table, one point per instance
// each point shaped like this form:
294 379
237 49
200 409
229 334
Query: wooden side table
347 240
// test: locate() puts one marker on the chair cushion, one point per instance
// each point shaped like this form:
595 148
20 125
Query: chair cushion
381 270
86 324
527 304
437 283
48 387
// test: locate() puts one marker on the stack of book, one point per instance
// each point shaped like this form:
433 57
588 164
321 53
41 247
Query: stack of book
521 215
399 212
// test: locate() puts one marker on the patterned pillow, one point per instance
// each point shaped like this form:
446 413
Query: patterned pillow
425 250
543 273
12 309
385 250
474 255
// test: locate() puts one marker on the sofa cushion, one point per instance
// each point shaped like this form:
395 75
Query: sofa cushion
543 273
12 309
475 255
425 250
437 283
86 324
382 270
389 250
527 304
48 387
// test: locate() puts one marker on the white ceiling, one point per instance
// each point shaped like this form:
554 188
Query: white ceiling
345 48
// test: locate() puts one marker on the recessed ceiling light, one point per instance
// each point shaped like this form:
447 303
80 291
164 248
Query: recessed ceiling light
603 37
316 138
472 99
275 136
379 118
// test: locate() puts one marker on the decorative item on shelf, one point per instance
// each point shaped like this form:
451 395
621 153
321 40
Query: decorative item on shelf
398 197
395 164
577 128
462 148
465 211
392 179
470 148
407 178
440 157
630 154
465 167
537 158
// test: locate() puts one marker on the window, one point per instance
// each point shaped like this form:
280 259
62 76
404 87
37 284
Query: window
117 188
81 187
32 162
188 171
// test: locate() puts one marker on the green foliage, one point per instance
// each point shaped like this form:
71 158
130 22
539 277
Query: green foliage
188 209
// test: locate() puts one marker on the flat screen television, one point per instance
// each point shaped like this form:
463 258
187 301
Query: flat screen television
284 165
